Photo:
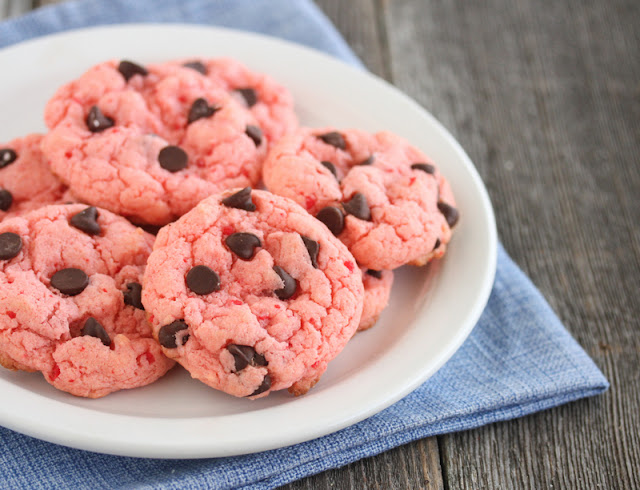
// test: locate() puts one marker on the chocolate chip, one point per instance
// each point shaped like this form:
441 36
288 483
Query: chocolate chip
313 248
437 244
243 244
334 139
173 158
333 218
357 206
92 328
255 133
259 360
128 69
249 95
70 281
6 200
87 221
290 284
167 334
199 109
245 355
266 384
450 213
242 355
10 245
97 121
240 200
202 280
374 273
425 167
133 295
7 156
367 161
331 167
197 66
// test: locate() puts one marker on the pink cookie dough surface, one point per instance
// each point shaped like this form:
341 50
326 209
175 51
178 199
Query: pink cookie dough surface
28 178
41 327
376 296
291 340
406 225
118 168
273 107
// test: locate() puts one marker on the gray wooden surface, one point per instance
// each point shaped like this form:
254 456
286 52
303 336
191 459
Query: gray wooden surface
545 98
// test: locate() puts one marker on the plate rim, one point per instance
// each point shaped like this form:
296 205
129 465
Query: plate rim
21 423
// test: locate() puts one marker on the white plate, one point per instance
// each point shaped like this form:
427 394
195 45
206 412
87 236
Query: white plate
432 309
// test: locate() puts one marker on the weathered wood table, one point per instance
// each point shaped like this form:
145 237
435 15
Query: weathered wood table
545 98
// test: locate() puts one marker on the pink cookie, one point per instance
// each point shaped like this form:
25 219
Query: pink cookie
383 197
251 294
26 182
270 102
70 300
377 288
150 143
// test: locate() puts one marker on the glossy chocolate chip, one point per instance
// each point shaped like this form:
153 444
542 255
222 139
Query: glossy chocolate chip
167 334
92 328
450 213
245 355
313 248
70 281
173 158
10 245
290 284
133 295
331 167
266 384
203 280
197 66
437 244
334 139
425 167
367 161
333 218
199 109
374 273
259 360
255 133
249 95
240 200
6 200
7 156
243 244
357 206
242 355
128 69
97 121
87 221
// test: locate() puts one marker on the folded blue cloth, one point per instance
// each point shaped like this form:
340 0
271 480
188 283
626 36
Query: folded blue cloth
518 359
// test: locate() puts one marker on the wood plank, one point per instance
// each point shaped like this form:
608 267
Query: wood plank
13 8
361 25
545 102
414 466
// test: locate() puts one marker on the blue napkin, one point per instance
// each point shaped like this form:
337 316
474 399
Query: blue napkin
518 359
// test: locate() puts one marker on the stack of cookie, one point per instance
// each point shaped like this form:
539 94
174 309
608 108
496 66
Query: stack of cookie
250 290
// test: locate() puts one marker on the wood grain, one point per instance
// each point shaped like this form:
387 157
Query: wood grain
12 8
545 101
545 98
